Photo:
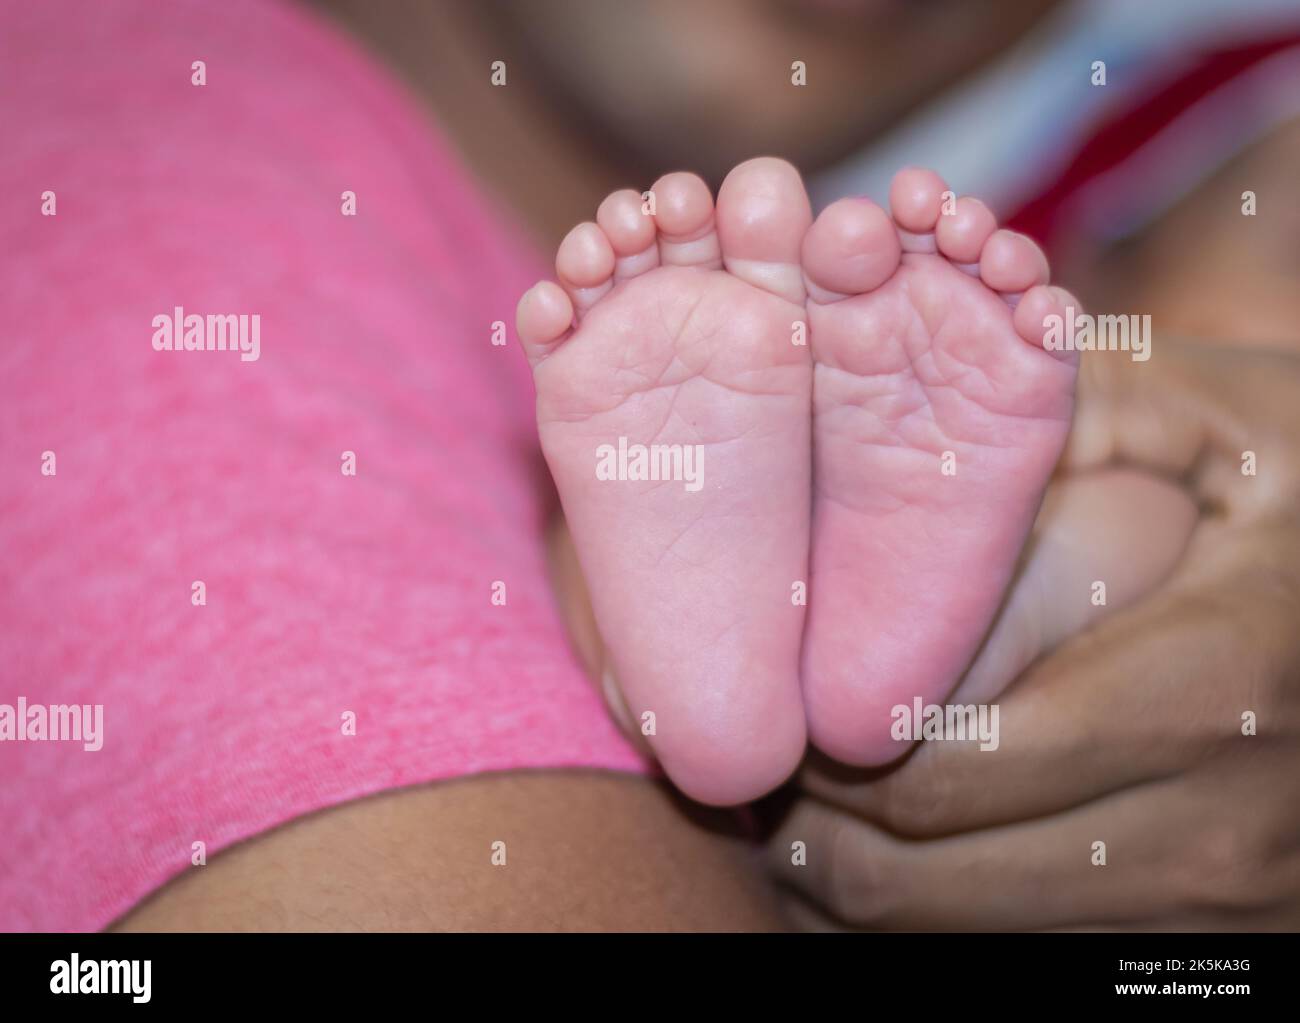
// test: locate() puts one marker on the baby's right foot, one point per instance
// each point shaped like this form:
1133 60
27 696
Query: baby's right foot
938 417
685 338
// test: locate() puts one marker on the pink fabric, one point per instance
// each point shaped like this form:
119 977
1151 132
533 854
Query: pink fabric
325 593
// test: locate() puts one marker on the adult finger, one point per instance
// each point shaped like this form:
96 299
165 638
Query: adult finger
1159 851
1195 411
1144 695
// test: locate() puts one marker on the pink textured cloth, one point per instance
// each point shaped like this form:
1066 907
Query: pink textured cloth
326 593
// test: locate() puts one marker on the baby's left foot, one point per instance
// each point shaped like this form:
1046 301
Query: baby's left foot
937 418
685 342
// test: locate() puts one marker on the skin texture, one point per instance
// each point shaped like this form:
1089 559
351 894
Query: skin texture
927 339
1127 527
684 338
584 851
1129 734
927 314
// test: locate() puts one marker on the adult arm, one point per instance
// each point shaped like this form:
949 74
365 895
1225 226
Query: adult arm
584 851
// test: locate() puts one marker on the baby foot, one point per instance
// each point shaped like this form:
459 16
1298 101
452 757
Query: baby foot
685 340
938 416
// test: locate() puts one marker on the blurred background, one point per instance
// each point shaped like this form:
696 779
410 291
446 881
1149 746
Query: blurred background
1121 134
1152 146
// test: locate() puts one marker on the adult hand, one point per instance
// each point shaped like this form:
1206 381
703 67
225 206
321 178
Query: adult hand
1132 734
